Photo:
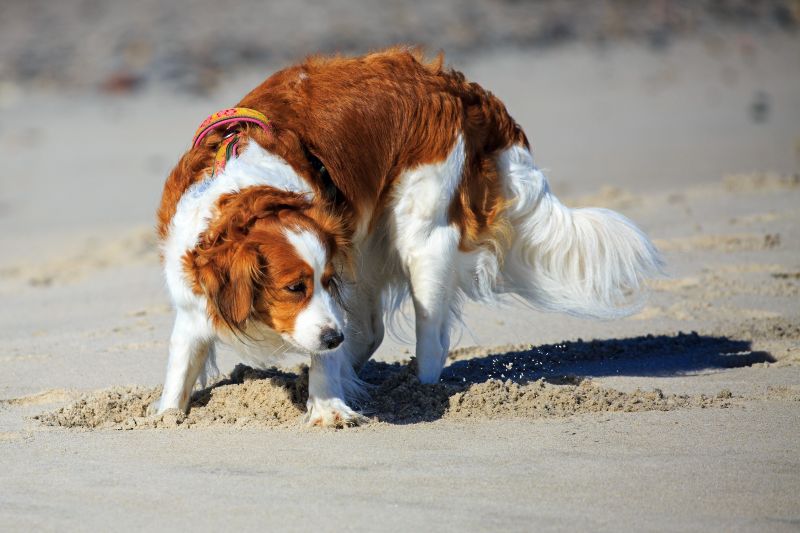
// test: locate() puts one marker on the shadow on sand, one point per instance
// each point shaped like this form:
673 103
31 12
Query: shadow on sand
649 355
396 396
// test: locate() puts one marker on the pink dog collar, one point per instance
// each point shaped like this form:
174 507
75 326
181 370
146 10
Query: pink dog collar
228 118
225 117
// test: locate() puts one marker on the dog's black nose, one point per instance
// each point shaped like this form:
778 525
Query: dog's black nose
331 338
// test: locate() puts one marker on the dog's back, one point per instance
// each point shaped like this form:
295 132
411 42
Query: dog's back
377 121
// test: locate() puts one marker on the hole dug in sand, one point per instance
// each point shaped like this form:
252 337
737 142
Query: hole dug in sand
505 382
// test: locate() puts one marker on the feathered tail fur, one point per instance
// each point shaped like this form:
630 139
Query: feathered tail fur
589 262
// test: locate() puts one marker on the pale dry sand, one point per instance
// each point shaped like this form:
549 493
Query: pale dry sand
542 422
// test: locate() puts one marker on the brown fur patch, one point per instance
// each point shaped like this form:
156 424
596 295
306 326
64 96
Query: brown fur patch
372 117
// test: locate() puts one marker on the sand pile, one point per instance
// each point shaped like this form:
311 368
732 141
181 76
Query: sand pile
402 399
273 398
248 397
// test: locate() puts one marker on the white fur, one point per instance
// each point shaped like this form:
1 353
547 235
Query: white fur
192 339
328 378
427 246
579 261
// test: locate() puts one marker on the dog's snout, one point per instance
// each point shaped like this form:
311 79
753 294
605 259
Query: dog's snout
331 338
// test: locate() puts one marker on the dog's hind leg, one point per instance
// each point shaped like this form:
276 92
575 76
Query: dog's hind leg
427 244
432 291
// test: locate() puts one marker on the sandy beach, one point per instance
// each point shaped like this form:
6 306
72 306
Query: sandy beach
683 417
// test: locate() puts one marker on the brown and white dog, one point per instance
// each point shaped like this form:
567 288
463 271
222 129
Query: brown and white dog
380 177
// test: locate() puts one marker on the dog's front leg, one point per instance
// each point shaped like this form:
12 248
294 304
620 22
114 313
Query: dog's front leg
189 346
329 374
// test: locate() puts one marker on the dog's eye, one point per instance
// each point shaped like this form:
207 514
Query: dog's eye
299 287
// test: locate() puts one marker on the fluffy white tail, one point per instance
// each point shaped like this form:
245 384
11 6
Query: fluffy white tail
587 262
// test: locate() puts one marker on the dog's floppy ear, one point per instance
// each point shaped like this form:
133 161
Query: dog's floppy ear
228 274
227 266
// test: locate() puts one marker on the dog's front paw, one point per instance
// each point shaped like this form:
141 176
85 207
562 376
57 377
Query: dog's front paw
154 408
332 413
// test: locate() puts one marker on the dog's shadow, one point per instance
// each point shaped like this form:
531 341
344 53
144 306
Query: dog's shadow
649 355
567 362
397 397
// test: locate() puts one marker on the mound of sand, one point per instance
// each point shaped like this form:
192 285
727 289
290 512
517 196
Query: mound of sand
248 397
273 398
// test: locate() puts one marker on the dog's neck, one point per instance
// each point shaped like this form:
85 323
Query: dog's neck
260 167
255 166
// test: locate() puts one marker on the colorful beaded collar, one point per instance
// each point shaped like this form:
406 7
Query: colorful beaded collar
229 119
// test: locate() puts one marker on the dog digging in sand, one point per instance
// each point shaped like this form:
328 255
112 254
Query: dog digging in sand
340 186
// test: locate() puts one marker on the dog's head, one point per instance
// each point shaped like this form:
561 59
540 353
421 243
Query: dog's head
267 259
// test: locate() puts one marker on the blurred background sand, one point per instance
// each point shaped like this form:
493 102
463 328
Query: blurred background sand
685 116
